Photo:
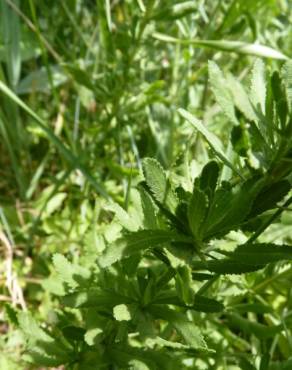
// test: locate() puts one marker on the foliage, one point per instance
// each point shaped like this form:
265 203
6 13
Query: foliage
180 260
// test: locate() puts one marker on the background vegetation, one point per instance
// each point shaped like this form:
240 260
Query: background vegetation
89 89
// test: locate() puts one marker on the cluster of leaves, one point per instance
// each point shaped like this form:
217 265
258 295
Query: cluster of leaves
119 79
159 270
152 294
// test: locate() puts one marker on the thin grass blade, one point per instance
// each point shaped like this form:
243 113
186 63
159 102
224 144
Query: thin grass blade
229 46
65 152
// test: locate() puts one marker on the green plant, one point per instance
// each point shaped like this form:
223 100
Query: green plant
87 89
177 279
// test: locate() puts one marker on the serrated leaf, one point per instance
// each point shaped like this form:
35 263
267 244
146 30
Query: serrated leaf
258 86
197 210
221 90
42 346
137 242
158 184
270 113
187 329
149 210
230 207
190 332
123 217
279 98
205 304
226 266
43 358
71 274
269 196
212 139
261 149
64 269
31 329
252 254
54 285
94 244
165 343
183 282
241 98
246 258
209 177
287 78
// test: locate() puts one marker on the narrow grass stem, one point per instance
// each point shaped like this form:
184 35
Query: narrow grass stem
266 224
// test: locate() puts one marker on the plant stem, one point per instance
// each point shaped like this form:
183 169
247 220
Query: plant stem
266 224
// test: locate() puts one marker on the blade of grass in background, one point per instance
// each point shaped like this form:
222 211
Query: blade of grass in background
65 152
10 121
224 45
11 37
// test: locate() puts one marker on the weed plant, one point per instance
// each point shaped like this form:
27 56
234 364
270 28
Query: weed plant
145 188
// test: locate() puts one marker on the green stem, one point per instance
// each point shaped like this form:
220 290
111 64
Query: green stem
266 224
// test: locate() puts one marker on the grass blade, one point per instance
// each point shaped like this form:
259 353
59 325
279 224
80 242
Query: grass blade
65 152
229 46
11 37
